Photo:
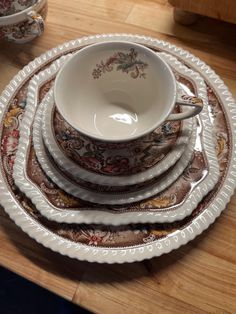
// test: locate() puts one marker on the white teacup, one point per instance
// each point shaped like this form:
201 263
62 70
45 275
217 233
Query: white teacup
118 92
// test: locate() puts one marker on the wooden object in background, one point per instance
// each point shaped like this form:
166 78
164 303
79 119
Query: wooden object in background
185 17
197 278
187 10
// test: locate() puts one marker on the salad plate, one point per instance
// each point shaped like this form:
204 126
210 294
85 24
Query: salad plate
99 194
160 150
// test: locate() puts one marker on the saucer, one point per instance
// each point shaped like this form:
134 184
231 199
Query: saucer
162 148
108 244
100 194
173 204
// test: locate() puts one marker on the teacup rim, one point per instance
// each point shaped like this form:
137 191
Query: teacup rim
132 137
17 17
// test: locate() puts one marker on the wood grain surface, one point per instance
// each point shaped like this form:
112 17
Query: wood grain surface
197 278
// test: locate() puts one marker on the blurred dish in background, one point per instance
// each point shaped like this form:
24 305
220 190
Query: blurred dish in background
22 20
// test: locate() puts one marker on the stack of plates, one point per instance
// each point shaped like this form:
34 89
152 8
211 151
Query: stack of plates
125 217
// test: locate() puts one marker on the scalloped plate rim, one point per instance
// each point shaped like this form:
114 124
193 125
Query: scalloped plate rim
146 251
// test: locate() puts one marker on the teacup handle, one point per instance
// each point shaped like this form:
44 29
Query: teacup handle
36 20
186 100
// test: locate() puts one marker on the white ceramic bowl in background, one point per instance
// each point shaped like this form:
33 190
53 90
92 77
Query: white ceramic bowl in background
118 91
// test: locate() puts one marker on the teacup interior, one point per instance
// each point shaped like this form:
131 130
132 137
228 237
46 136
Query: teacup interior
14 6
115 91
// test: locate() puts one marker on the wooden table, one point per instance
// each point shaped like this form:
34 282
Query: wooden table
199 277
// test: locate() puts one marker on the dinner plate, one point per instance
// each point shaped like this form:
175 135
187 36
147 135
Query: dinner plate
111 244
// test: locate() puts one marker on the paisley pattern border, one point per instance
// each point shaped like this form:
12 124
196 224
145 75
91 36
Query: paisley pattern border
139 252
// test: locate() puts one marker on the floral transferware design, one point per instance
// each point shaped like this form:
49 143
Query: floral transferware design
10 142
5 5
126 236
177 194
30 27
97 187
221 136
93 187
116 159
9 7
94 216
26 3
163 153
125 62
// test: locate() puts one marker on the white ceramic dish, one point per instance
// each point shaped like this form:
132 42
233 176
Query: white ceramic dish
78 172
118 91
90 215
93 196
26 24
28 219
